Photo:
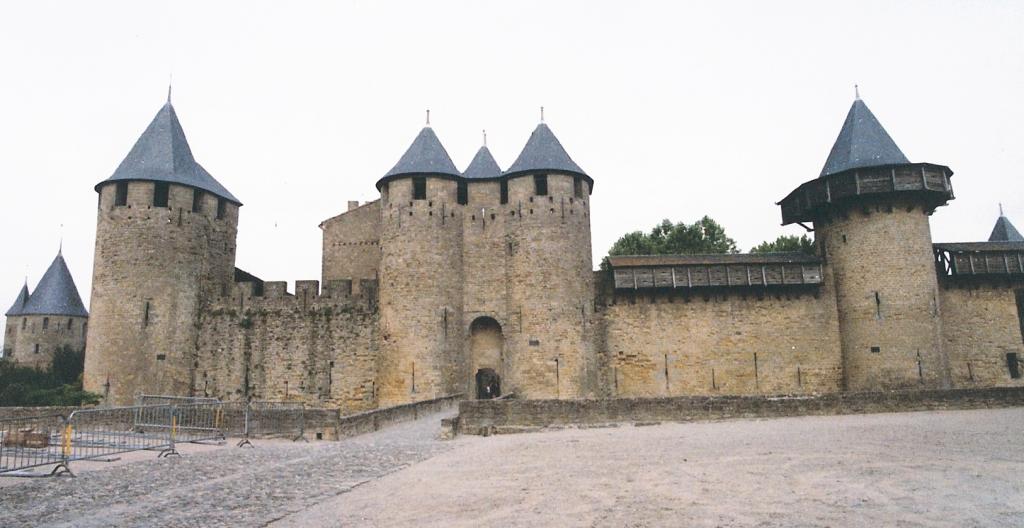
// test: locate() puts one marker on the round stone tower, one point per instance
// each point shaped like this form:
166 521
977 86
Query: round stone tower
550 272
420 276
165 245
870 209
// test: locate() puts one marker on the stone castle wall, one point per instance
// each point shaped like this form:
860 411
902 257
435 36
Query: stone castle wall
980 326
731 343
317 347
155 268
31 340
351 243
881 260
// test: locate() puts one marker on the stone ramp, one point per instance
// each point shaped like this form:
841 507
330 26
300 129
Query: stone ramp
223 487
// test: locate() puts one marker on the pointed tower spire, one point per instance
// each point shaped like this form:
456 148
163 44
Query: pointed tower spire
19 303
483 165
426 156
862 142
162 154
543 152
56 293
1004 231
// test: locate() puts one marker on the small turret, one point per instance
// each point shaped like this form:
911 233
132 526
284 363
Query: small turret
50 318
483 166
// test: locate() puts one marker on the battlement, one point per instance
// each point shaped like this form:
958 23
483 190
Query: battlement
360 294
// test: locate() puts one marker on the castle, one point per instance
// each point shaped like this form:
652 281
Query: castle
480 282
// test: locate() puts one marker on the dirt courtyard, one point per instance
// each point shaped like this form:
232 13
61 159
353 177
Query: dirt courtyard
947 468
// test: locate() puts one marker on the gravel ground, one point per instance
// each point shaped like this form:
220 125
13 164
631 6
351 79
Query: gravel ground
220 487
953 468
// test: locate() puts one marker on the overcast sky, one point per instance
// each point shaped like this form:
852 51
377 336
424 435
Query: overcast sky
676 109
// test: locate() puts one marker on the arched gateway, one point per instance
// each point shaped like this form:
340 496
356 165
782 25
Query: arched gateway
485 358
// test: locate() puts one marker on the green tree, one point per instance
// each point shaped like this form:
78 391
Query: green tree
667 238
786 244
60 384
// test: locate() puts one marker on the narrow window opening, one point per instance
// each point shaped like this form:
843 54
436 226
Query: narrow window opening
504 191
878 306
222 207
197 201
844 239
24 322
71 328
463 194
876 350
577 187
1020 310
161 357
419 188
36 349
121 193
161 191
46 323
1013 364
145 315
540 184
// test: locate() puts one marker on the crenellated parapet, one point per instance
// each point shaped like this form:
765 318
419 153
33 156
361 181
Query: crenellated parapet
349 294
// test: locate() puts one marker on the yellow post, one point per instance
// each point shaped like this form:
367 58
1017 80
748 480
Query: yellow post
174 426
218 415
66 443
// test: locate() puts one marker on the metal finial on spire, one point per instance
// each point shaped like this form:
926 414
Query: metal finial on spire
542 114
428 117
485 138
1001 210
170 82
856 92
60 245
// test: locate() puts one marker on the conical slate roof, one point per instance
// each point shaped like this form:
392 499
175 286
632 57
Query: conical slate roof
1004 231
426 155
56 293
543 152
162 154
19 303
483 166
862 142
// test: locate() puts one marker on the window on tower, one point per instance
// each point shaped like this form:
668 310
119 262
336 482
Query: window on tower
463 197
540 184
46 323
504 191
161 191
121 193
197 201
419 188
222 206
577 186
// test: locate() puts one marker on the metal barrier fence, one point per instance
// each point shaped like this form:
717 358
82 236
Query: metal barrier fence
102 433
99 434
31 442
272 419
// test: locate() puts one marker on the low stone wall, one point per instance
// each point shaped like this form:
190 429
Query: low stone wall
512 416
369 421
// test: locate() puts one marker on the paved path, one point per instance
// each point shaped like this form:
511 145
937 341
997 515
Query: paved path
929 469
221 487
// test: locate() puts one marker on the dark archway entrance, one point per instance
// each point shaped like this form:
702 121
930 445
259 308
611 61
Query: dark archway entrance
486 343
488 384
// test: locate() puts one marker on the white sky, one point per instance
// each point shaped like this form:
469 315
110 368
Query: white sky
675 109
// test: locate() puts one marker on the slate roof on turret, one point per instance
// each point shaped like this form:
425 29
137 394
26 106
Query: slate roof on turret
1004 231
862 142
483 166
56 293
162 154
543 152
19 303
426 156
